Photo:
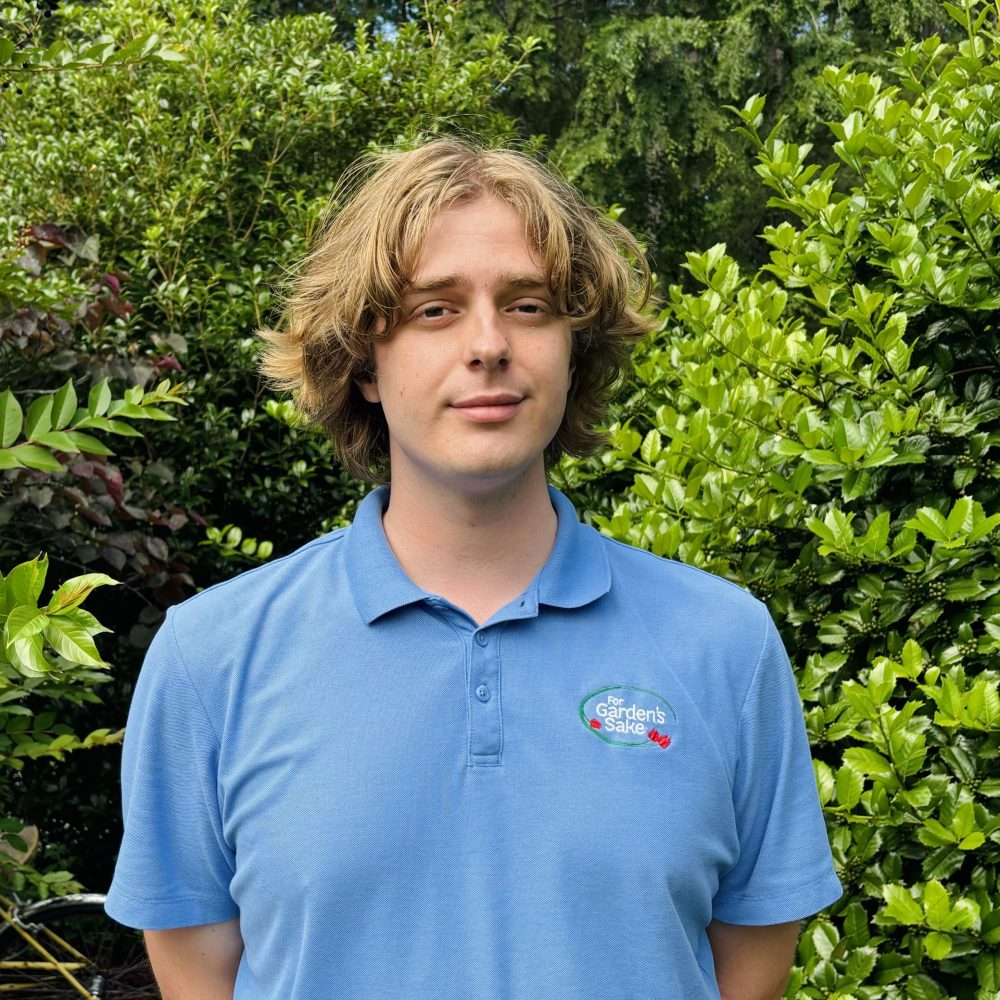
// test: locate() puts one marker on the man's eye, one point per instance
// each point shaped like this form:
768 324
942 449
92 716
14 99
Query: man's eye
532 308
431 312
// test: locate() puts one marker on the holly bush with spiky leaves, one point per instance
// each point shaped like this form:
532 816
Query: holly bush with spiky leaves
825 431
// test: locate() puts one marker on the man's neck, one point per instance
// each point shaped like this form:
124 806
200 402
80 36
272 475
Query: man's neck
478 551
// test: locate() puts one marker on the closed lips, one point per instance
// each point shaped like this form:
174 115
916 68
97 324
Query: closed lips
503 400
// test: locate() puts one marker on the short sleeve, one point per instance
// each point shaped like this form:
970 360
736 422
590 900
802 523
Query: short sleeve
174 867
785 869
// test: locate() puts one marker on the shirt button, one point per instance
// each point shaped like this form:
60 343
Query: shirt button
482 638
483 692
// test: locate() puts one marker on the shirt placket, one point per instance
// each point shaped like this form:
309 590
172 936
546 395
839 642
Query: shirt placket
485 722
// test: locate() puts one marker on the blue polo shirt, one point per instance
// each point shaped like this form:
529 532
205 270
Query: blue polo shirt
394 800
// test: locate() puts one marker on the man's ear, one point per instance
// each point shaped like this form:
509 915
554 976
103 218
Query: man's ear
368 387
367 382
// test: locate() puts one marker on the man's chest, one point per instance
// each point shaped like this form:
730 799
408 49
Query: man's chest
574 767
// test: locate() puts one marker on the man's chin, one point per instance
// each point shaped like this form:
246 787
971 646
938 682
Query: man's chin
493 473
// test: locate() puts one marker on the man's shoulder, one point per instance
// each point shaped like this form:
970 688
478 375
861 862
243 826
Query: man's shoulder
249 593
647 576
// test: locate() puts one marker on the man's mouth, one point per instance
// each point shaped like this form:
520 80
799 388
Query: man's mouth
489 407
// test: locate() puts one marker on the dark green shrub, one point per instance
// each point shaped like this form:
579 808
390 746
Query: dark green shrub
630 96
825 432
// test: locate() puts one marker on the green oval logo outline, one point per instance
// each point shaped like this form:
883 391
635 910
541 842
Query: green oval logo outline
645 741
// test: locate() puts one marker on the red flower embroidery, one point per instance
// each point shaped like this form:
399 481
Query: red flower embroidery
595 724
661 739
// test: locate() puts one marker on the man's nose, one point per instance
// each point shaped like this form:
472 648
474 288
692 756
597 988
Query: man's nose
487 344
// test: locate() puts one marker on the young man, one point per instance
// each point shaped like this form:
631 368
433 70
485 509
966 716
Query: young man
467 747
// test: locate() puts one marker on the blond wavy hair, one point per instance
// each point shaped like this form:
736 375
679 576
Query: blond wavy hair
348 289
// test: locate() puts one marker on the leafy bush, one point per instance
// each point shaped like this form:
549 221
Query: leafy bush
824 432
48 657
630 97
61 491
63 318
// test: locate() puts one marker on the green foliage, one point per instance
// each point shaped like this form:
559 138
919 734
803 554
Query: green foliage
823 431
58 313
629 96
51 318
47 656
55 424
230 542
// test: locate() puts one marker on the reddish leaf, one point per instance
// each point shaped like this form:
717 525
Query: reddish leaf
93 315
113 480
176 521
96 516
114 557
76 497
121 540
48 233
167 363
119 308
157 548
33 258
172 592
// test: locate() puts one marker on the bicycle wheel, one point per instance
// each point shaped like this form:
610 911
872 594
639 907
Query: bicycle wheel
109 960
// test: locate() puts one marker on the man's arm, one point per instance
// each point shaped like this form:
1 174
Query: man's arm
752 963
196 963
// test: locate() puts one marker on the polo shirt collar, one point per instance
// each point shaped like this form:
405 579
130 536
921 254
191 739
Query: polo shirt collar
377 581
576 572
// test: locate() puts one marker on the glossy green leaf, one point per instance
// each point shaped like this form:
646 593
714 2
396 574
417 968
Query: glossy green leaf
88 443
71 641
99 399
27 657
63 406
34 457
74 592
23 622
39 418
937 945
901 906
11 418
24 582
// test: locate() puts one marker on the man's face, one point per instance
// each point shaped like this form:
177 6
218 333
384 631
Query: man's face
473 379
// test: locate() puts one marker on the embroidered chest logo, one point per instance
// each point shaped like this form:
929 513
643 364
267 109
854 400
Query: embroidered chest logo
628 716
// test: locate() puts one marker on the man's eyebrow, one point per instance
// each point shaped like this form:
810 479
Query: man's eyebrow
505 279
